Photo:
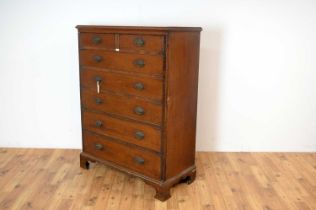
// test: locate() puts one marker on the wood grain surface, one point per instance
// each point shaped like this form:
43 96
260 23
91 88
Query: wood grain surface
148 78
52 179
181 107
123 130
151 43
105 41
123 155
152 64
122 106
121 83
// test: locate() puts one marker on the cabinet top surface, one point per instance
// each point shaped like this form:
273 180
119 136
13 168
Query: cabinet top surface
83 28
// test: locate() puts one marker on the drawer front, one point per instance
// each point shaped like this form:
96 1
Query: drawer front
130 107
150 64
140 161
132 132
90 40
147 43
121 83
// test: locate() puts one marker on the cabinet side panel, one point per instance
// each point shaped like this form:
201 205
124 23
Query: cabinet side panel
182 80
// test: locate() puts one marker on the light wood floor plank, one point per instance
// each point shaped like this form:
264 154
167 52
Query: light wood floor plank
52 179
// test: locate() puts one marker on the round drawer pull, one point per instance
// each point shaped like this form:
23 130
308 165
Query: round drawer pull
98 146
139 63
97 58
98 123
139 135
139 110
98 101
139 160
139 42
96 40
139 86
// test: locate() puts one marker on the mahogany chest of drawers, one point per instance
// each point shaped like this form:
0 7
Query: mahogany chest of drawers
138 89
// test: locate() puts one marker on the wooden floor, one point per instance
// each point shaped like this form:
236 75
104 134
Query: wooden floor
52 179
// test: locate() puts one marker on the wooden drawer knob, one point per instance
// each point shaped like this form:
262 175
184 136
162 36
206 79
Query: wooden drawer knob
98 101
139 110
140 42
139 86
98 123
139 63
139 135
99 147
97 58
139 160
96 40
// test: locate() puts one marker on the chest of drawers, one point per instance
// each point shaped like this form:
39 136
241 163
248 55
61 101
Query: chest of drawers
138 89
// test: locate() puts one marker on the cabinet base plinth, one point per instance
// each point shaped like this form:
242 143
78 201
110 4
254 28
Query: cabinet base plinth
162 187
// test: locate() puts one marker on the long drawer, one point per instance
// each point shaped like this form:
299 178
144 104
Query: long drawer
125 106
122 83
131 132
141 63
140 161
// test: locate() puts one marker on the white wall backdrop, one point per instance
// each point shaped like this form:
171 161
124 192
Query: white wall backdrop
257 89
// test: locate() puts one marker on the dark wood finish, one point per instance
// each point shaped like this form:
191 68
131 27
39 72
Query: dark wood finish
181 106
123 155
121 105
94 40
153 64
122 83
161 107
133 29
123 130
150 43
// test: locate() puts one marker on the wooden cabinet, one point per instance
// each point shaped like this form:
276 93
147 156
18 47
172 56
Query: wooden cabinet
138 89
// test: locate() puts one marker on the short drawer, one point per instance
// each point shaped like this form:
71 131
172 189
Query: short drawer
121 83
136 133
130 107
91 40
144 162
141 63
146 43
